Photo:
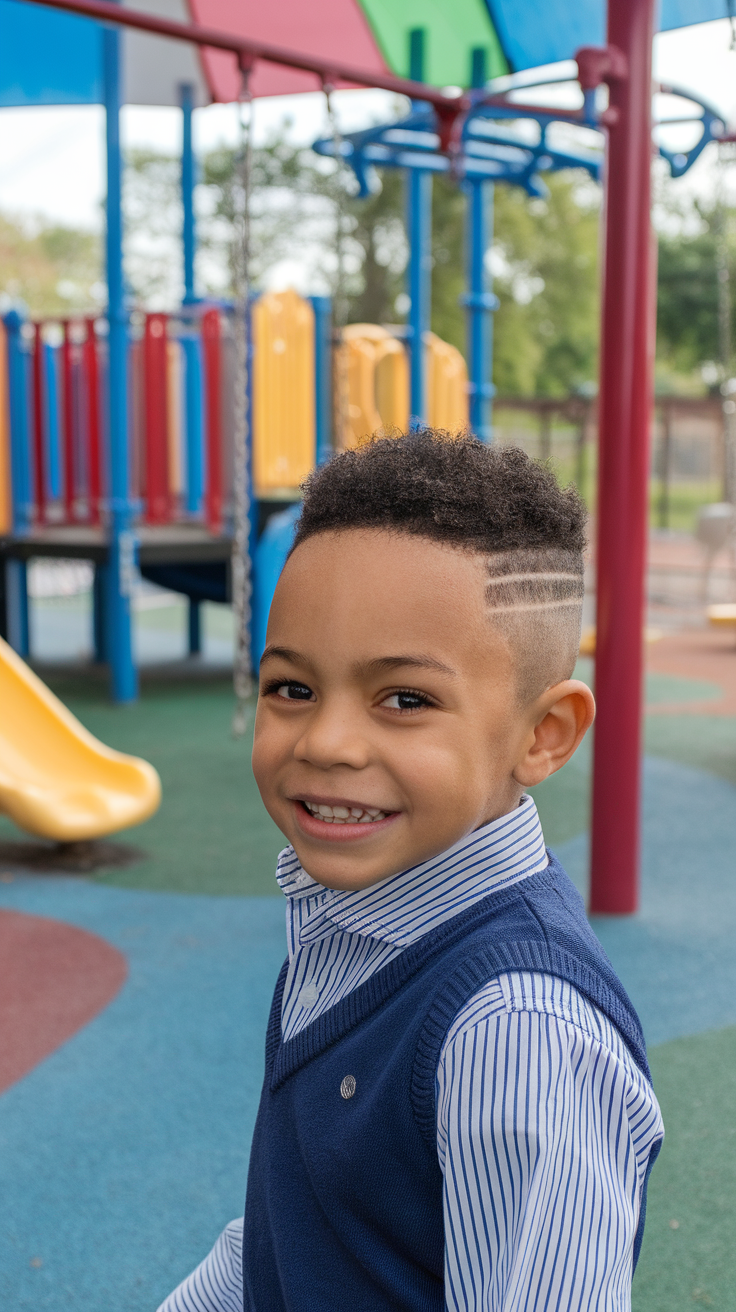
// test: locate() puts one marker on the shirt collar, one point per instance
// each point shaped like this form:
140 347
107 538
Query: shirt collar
404 907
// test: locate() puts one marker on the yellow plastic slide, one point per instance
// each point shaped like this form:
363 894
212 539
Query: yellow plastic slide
56 779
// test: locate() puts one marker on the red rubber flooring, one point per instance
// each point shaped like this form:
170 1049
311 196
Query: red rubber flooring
54 979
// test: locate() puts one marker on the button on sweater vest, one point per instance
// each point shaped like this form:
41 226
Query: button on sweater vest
344 1203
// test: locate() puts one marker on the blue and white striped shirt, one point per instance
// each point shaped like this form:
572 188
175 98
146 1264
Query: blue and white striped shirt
544 1121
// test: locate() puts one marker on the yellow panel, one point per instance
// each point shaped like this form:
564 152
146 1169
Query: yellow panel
377 382
363 418
392 384
6 507
284 435
56 780
447 385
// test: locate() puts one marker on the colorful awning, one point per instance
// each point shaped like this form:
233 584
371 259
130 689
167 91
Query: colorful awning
50 57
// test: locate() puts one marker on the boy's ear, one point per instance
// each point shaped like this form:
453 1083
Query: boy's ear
562 717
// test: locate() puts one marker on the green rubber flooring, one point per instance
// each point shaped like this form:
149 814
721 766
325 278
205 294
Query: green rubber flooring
688 1259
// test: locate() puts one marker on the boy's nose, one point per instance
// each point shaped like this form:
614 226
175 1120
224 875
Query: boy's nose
334 737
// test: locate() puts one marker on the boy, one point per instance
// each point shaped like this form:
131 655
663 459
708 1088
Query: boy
457 1109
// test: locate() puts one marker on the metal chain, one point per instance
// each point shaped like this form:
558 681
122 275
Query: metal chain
341 381
240 557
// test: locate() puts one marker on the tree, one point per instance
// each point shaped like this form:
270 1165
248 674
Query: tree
688 283
544 259
52 269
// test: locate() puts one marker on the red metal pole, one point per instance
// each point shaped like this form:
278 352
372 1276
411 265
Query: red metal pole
92 371
156 404
211 349
68 410
39 471
623 473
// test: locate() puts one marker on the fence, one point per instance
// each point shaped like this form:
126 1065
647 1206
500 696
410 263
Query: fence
690 443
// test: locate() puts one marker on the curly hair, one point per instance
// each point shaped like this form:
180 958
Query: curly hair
454 490
489 500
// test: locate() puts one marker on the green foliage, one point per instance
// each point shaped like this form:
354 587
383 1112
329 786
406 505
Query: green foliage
694 241
50 268
546 267
544 255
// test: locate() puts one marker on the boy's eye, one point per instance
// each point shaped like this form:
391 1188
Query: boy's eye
406 700
292 692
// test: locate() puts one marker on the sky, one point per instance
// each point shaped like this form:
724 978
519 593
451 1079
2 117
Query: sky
52 160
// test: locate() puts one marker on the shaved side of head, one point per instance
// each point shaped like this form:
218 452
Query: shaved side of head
535 598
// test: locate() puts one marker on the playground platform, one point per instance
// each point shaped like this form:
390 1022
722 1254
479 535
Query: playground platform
125 1136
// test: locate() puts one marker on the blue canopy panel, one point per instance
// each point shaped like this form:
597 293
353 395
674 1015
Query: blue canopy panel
48 57
536 32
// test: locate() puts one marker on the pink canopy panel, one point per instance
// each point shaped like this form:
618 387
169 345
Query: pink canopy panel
330 28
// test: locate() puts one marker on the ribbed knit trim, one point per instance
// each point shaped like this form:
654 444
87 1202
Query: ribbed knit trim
284 1058
485 964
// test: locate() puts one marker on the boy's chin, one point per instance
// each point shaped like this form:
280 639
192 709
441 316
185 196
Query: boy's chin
343 871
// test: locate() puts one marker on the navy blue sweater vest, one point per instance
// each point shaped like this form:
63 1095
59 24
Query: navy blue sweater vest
344 1203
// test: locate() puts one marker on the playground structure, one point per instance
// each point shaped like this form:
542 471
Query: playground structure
55 433
56 779
477 158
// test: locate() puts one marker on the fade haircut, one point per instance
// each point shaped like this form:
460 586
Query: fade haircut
491 501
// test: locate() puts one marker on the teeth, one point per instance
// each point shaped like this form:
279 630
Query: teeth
342 815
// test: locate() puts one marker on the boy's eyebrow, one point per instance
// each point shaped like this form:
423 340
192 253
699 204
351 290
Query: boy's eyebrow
382 663
286 654
377 666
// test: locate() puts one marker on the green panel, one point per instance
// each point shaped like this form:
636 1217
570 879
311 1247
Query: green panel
452 33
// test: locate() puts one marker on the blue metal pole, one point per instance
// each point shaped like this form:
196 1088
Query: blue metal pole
480 303
322 306
21 479
120 573
194 410
195 626
186 100
53 454
20 430
16 606
419 227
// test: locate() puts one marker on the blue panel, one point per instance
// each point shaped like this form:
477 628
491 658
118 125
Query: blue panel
682 13
48 58
536 32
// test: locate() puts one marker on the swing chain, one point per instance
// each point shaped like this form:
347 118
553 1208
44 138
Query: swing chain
241 565
341 380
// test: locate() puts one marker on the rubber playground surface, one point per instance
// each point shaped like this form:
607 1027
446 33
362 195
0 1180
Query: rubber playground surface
131 1060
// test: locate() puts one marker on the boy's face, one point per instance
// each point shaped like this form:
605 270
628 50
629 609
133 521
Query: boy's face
387 699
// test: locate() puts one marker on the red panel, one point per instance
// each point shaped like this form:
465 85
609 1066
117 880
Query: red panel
336 28
627 367
39 470
156 403
68 424
55 979
212 353
92 376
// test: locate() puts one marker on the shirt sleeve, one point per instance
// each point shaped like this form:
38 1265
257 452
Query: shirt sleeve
217 1283
544 1130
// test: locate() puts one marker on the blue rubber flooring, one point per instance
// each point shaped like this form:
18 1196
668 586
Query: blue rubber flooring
124 1153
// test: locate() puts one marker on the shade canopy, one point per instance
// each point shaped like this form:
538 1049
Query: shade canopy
48 57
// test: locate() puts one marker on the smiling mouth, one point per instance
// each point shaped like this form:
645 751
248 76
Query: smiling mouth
345 815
